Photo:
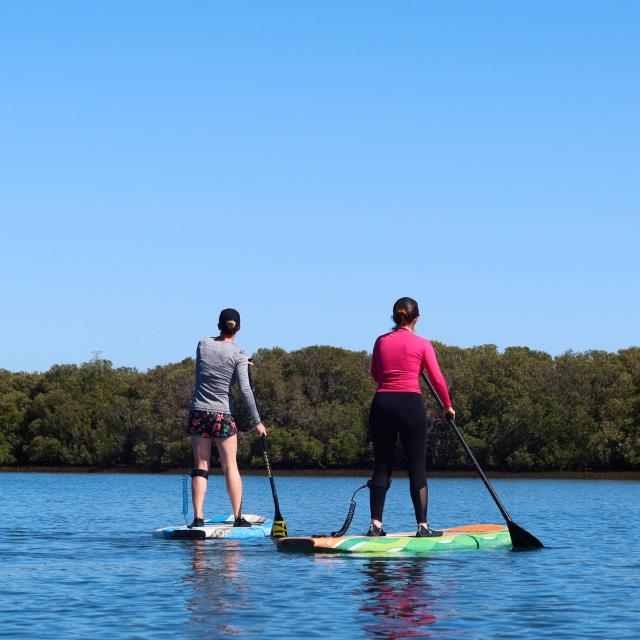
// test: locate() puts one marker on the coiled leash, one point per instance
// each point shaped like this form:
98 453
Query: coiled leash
185 499
352 510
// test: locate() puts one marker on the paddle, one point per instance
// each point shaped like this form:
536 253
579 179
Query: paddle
520 538
279 527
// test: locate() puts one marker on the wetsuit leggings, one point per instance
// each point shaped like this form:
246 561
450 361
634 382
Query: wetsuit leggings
403 414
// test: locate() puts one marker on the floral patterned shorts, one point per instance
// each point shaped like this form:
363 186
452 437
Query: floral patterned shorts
208 424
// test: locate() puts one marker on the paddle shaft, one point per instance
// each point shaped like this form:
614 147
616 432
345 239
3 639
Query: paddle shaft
276 503
452 424
521 539
278 516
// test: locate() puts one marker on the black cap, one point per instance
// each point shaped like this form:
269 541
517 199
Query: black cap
228 314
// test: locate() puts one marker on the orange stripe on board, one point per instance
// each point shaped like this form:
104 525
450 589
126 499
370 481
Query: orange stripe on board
475 528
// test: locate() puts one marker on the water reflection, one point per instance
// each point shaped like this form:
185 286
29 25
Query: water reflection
219 589
400 598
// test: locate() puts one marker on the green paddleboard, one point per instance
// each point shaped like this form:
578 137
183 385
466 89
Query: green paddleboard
466 538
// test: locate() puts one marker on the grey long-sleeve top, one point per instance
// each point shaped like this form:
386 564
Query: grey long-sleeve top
219 365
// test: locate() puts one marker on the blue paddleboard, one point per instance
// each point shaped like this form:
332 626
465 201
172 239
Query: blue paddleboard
218 528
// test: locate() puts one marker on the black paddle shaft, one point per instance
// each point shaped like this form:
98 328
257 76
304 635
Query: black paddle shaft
276 503
463 442
520 538
277 516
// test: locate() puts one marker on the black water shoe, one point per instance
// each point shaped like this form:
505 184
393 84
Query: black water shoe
197 522
241 522
375 531
427 532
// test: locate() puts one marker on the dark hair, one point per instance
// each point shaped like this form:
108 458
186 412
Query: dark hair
229 322
405 311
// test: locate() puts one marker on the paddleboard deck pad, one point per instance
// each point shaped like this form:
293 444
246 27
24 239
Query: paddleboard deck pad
469 537
219 527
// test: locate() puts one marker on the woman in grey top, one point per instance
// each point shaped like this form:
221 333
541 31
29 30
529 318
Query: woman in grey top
219 364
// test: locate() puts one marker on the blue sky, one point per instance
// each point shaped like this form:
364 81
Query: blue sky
309 163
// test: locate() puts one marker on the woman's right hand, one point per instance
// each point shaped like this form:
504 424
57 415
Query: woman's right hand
260 430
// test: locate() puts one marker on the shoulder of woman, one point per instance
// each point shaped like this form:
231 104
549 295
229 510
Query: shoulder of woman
426 344
240 353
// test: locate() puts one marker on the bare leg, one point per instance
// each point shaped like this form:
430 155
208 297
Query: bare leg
227 449
201 456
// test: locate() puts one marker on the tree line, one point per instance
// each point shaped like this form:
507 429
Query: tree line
520 410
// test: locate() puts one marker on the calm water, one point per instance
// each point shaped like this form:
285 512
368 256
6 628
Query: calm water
78 561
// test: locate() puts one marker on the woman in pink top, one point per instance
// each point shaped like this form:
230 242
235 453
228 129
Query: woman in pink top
398 410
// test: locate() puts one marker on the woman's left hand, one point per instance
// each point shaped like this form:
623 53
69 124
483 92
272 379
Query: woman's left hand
449 413
260 430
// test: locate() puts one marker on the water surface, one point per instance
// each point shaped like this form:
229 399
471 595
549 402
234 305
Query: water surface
78 560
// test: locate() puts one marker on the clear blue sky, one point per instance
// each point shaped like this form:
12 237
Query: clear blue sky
309 163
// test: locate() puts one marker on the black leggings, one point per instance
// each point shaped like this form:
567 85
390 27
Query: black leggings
404 414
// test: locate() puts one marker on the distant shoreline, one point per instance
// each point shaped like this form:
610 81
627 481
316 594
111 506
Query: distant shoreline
333 473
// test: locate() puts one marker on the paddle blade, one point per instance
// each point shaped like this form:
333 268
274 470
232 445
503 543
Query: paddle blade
521 539
279 529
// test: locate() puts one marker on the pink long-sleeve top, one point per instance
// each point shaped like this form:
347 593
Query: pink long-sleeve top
398 359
